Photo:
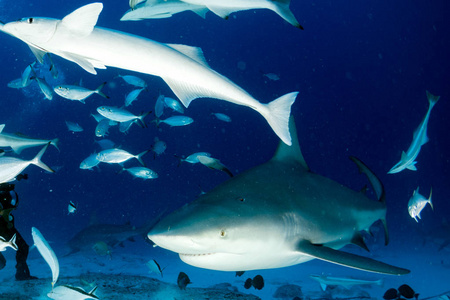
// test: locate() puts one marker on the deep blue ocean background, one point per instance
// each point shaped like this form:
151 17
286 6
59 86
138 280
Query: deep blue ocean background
361 69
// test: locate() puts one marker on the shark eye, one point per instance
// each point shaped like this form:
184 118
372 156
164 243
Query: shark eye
30 20
223 233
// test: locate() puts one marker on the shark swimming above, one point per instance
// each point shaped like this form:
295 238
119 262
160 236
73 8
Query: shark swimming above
420 138
183 68
275 215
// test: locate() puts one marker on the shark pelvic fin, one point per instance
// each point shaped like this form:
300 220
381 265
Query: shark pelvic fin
348 259
291 153
81 22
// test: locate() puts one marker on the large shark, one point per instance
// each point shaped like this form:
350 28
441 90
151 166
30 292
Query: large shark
275 215
183 68
420 138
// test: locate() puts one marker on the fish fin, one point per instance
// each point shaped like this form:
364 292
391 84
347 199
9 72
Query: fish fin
18 149
432 99
358 240
286 153
91 292
222 12
282 9
429 198
98 90
55 142
373 179
323 286
195 53
403 157
139 157
1 127
412 166
201 12
12 241
39 53
348 259
37 160
87 64
81 22
185 92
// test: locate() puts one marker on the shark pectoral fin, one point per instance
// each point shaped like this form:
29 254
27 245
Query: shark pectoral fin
221 11
412 166
81 22
195 53
86 64
323 286
348 259
38 52
358 240
201 12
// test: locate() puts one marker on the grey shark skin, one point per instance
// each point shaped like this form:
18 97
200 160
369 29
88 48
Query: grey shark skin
275 215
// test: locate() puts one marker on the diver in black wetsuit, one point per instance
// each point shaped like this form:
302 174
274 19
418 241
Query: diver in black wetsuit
8 202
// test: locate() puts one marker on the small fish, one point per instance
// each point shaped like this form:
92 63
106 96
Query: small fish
89 162
257 282
74 127
15 84
11 167
183 280
417 203
105 144
117 156
133 80
53 70
193 158
141 172
213 163
11 243
46 89
66 292
102 128
47 253
272 76
222 117
390 294
132 96
102 249
175 121
120 114
159 106
154 267
174 104
19 142
407 292
72 208
324 281
78 93
159 146
27 75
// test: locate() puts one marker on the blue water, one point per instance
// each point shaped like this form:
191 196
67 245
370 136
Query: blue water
361 69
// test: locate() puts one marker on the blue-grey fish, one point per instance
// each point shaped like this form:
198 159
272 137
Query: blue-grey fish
159 106
117 156
27 75
77 39
15 84
420 138
417 202
132 96
324 281
89 162
175 121
193 158
275 215
78 93
18 142
53 70
154 267
213 163
11 167
105 144
74 127
119 114
222 117
72 208
141 172
174 104
134 80
102 128
46 89
159 146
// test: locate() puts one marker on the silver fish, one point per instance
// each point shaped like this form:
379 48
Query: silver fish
72 208
141 172
222 117
89 162
120 114
175 121
11 243
174 104
78 93
102 127
193 158
213 163
417 203
74 127
132 96
68 292
159 146
134 80
46 89
117 156
159 106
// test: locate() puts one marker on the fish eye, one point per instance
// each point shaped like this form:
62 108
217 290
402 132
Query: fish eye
223 233
30 20
241 199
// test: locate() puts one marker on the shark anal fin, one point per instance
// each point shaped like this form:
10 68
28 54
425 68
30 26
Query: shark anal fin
358 240
348 259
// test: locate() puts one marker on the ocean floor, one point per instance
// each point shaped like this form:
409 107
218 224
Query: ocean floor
125 275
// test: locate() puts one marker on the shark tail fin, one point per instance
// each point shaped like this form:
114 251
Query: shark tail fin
378 187
37 160
277 115
282 9
99 90
91 292
432 99
55 142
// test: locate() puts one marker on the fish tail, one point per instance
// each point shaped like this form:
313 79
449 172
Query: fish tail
139 157
277 115
37 160
142 116
432 99
55 142
429 199
12 242
283 10
99 90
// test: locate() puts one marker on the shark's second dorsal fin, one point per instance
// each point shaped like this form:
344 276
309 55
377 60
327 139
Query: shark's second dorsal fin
82 21
291 153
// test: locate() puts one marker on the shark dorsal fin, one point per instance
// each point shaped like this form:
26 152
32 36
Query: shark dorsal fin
1 127
292 153
81 22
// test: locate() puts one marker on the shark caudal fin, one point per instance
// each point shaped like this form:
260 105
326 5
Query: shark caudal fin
377 186
37 160
283 10
348 259
432 99
277 115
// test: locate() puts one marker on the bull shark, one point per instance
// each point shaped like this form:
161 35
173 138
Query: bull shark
183 68
18 142
275 215
420 138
